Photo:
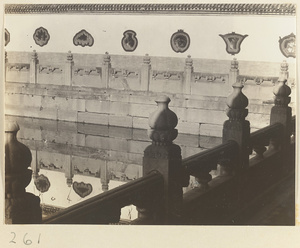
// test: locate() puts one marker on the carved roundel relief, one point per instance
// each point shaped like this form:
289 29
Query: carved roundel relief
180 41
82 189
83 38
129 41
287 45
41 36
42 183
7 37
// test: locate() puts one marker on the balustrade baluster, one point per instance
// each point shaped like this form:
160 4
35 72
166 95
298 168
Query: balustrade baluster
203 178
259 150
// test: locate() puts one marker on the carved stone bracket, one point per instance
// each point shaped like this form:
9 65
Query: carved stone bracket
167 75
116 73
87 71
18 67
209 77
48 69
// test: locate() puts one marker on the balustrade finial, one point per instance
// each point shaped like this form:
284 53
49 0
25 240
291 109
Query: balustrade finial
34 55
146 59
69 56
6 59
237 103
106 58
188 62
282 92
234 64
284 69
162 123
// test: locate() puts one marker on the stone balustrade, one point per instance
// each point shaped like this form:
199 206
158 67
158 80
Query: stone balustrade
239 181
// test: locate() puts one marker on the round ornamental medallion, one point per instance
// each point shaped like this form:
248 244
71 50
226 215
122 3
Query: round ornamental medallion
180 41
129 41
7 37
83 38
42 183
287 45
41 36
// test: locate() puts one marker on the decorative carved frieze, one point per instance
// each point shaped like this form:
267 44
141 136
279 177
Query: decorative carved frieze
198 76
167 75
87 71
240 9
257 79
18 67
49 69
127 73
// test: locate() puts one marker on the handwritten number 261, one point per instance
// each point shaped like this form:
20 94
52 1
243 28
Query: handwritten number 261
26 240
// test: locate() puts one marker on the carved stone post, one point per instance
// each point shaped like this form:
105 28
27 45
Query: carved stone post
20 207
234 71
165 157
106 69
68 69
145 73
188 71
104 176
33 67
281 112
237 128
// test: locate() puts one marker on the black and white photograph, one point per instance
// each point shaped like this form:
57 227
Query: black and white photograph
149 119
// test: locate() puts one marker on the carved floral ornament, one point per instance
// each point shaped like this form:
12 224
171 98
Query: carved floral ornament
180 41
82 189
42 183
83 38
129 41
6 36
233 42
41 36
287 45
